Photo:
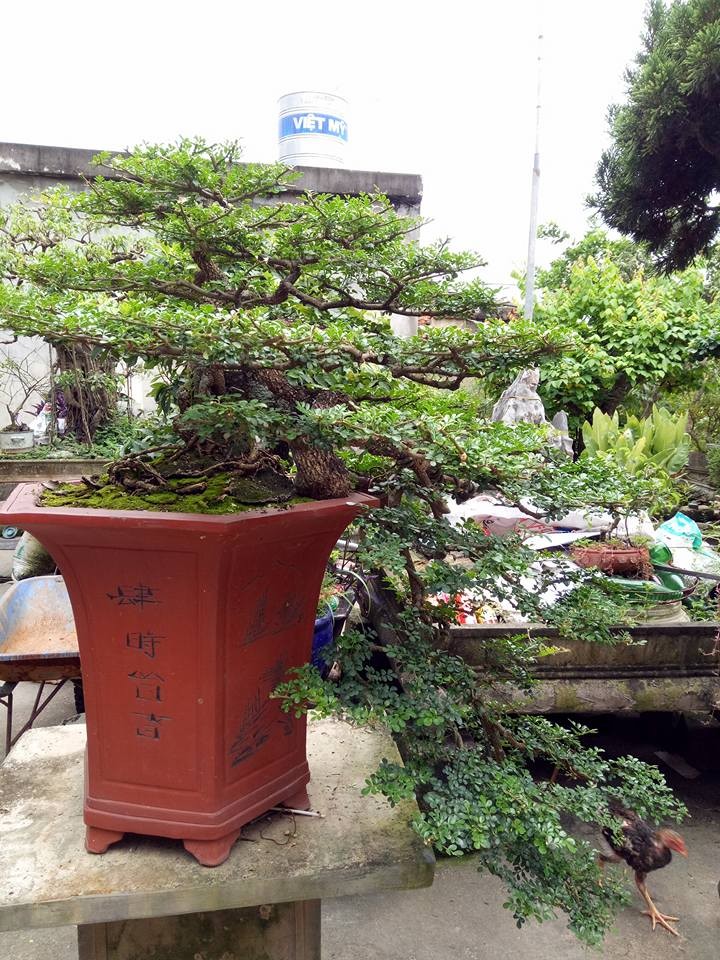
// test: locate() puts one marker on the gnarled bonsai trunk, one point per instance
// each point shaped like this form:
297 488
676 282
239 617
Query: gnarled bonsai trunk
320 473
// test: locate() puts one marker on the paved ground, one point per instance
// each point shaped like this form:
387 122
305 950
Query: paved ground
461 916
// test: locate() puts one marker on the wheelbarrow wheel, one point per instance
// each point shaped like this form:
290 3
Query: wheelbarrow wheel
79 695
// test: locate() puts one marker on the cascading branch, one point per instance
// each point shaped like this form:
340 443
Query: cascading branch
267 324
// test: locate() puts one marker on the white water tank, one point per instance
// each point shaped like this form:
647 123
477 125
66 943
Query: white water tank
313 129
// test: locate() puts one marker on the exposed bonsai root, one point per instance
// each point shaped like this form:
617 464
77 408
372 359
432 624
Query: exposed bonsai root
181 479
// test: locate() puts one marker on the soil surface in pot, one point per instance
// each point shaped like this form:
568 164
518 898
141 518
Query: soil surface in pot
223 493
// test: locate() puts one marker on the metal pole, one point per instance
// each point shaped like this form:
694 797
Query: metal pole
534 194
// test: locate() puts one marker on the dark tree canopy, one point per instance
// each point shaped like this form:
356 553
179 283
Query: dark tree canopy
659 178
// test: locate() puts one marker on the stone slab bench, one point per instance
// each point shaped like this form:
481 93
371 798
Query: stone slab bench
146 899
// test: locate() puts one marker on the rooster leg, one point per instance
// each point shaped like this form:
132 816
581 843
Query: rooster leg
652 911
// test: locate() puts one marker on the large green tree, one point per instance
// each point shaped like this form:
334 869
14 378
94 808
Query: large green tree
269 323
630 333
658 180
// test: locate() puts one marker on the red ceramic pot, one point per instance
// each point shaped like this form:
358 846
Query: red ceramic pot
185 624
612 559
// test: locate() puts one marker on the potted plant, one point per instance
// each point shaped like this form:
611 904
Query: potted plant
613 555
19 381
341 590
194 566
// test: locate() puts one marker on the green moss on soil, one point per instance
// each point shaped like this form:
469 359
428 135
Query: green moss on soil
225 493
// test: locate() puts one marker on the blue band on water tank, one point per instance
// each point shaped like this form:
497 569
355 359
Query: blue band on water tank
297 124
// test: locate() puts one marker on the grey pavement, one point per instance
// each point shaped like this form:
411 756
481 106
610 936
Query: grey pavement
461 916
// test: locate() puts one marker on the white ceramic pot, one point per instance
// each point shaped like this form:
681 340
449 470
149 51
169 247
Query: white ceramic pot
17 441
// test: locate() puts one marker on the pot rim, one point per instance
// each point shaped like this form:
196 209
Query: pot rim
616 551
22 507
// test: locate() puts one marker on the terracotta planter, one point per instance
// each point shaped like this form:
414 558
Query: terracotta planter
612 559
185 625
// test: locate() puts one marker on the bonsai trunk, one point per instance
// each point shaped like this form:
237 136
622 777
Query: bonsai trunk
320 473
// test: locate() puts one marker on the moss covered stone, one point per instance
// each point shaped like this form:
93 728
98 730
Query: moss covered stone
224 493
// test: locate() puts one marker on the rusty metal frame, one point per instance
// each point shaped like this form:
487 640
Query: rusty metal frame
7 700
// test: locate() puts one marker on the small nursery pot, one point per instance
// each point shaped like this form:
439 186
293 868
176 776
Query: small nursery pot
611 559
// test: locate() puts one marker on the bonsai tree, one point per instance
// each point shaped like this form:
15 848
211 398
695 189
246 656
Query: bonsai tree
88 382
19 382
267 323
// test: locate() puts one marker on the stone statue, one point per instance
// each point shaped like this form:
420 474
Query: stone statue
520 403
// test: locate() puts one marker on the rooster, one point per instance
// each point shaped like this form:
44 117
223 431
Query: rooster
643 849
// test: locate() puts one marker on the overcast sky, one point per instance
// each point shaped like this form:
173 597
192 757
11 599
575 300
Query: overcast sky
446 90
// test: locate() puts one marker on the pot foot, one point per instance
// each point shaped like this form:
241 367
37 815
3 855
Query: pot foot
98 840
211 853
298 800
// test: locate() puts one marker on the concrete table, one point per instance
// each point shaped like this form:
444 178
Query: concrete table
146 899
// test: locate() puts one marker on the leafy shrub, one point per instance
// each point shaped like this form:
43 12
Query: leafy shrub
660 440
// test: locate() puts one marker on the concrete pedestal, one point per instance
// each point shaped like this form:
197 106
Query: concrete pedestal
280 931
145 899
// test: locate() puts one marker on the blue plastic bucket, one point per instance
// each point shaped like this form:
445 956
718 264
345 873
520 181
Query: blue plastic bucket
322 641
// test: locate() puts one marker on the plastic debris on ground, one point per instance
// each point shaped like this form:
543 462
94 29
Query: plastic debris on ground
496 519
484 606
683 538
500 519
676 546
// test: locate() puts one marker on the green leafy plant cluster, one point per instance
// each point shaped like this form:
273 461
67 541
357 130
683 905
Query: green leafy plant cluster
713 463
645 330
630 335
265 317
119 435
660 440
657 445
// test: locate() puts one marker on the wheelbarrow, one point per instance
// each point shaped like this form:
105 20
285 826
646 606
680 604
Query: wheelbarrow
37 643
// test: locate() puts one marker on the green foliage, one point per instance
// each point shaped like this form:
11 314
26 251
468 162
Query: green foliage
656 446
124 434
120 435
701 399
702 605
266 323
657 181
92 380
625 329
713 463
628 256
469 769
660 440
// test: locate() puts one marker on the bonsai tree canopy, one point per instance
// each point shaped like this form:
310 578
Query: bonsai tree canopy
254 308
